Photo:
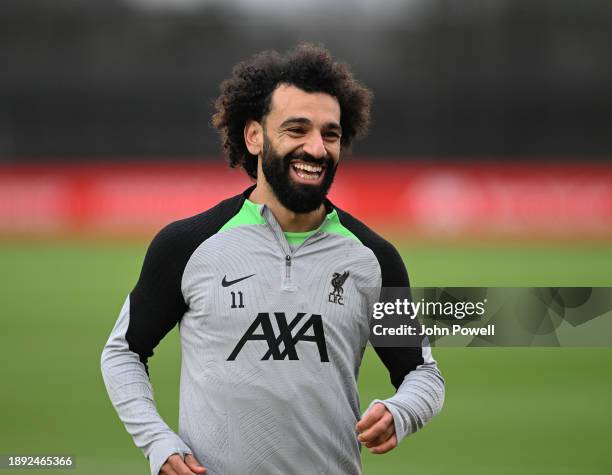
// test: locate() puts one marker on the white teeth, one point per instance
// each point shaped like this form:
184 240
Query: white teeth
308 168
306 177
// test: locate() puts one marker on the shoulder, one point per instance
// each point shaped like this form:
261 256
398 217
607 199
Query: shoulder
392 266
173 245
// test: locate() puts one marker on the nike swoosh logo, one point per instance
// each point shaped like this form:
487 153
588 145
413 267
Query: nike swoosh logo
227 283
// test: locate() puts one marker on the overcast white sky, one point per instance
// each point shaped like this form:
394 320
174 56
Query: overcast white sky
407 13
281 8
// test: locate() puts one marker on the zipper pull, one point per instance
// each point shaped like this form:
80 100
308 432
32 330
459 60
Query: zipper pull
288 284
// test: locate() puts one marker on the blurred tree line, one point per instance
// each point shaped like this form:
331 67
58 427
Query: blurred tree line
117 78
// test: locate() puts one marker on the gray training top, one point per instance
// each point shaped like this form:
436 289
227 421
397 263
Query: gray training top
272 338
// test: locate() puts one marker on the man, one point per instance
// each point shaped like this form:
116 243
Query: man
272 290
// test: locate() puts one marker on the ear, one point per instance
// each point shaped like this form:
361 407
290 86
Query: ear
253 137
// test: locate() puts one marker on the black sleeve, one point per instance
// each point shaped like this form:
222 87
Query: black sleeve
399 361
157 303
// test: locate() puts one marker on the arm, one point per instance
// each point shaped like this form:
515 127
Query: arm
414 374
420 394
152 309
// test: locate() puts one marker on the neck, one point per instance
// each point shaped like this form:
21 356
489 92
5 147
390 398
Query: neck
287 219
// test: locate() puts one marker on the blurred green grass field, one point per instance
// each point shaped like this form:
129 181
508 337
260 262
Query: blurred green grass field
507 411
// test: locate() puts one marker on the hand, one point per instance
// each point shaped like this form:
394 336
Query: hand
176 466
376 430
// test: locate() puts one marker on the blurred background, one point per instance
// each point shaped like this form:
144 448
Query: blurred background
488 164
115 78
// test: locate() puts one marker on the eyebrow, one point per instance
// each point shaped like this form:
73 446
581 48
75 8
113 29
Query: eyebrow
304 121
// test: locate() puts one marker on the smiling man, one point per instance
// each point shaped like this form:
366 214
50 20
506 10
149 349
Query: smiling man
273 291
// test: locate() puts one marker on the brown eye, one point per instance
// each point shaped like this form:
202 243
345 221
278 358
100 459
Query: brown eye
296 131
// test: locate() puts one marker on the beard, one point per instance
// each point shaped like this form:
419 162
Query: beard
296 197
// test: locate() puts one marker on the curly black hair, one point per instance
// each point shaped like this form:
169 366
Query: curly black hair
248 95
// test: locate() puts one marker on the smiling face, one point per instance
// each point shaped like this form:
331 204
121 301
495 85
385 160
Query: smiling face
300 146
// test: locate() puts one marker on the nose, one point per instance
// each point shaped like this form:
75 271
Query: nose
314 146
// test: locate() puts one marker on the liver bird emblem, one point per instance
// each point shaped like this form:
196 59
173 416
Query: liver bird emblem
338 281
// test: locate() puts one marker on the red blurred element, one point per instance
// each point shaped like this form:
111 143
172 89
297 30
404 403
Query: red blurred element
418 199
526 199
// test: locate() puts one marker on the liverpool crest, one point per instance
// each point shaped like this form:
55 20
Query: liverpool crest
335 296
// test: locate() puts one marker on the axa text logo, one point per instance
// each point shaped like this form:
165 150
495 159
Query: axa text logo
283 346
